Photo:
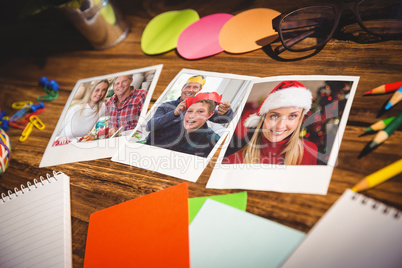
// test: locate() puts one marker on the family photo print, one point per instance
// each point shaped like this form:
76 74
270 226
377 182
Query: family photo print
99 114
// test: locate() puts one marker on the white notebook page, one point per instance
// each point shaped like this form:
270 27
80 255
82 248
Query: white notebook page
35 225
355 232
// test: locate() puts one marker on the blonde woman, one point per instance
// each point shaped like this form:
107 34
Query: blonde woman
81 117
276 139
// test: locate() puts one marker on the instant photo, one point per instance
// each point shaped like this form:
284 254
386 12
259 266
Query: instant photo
186 125
287 136
100 114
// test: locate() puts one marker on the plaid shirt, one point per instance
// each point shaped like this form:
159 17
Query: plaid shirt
129 110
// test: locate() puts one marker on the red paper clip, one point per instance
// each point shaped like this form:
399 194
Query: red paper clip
16 124
28 116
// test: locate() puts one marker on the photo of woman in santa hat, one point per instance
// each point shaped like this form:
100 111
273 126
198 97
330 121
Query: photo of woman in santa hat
277 126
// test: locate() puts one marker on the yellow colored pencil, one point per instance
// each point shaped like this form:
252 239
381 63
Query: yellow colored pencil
379 176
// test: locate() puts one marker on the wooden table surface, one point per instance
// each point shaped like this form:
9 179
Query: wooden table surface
48 45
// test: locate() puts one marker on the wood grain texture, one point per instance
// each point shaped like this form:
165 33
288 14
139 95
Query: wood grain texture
48 45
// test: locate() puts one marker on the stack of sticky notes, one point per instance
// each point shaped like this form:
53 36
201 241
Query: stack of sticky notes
154 231
196 37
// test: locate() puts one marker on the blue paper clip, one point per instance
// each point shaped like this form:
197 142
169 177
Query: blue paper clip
26 109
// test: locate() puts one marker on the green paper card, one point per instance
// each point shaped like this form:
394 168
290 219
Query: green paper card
236 200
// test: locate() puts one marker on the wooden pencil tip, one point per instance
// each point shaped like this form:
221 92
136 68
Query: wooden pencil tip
370 92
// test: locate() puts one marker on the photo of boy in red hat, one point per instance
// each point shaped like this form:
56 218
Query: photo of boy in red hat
198 139
165 124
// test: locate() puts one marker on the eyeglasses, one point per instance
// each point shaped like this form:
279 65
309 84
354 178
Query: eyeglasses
312 27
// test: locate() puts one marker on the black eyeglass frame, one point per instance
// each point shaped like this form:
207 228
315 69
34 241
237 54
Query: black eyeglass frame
338 8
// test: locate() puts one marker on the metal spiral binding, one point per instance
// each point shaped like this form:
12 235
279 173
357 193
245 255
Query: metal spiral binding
10 194
22 188
377 204
397 214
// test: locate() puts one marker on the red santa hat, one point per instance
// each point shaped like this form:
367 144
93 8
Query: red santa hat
204 96
286 94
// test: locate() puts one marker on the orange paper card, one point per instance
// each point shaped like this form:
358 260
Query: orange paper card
149 231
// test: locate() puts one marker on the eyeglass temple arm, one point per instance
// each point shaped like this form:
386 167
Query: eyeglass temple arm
293 41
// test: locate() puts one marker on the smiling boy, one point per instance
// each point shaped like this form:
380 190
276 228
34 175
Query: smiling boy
166 124
198 138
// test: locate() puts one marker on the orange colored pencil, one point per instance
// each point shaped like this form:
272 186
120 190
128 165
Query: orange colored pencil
384 88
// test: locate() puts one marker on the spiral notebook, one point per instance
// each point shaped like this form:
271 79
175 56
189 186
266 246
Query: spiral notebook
35 224
356 231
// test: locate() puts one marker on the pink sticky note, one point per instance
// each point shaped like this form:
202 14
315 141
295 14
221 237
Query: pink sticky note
201 39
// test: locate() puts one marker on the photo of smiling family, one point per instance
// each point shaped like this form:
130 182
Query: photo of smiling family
187 122
289 125
99 111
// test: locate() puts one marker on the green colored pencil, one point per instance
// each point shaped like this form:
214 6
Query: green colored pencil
387 131
379 125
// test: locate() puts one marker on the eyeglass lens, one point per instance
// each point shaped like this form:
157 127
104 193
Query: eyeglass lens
307 27
381 17
312 27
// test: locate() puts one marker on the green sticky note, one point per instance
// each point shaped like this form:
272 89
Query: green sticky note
236 200
162 32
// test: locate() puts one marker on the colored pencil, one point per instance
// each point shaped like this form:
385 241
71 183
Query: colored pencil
396 97
387 131
383 135
379 125
384 88
379 176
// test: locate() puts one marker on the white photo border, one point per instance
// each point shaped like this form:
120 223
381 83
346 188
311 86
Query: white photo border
165 161
97 149
311 179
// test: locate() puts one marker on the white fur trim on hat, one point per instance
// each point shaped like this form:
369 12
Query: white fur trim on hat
287 97
252 120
